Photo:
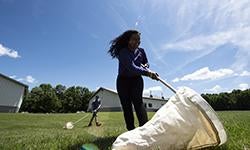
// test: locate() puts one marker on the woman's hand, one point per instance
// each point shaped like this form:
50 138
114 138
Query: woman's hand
145 65
153 75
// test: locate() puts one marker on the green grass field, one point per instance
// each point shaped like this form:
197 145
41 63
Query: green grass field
44 131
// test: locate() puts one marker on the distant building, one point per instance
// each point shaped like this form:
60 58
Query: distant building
11 94
111 102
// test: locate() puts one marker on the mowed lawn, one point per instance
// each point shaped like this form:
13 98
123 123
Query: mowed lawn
45 131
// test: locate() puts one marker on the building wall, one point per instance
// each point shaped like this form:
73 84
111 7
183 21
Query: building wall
153 105
11 95
111 102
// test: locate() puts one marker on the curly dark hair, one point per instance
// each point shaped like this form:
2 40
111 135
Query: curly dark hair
120 42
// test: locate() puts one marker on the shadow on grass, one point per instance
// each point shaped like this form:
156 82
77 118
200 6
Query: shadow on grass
103 143
223 147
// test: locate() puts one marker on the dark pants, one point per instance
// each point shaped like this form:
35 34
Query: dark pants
93 116
130 91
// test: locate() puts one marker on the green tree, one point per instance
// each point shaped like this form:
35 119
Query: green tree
76 99
41 99
60 90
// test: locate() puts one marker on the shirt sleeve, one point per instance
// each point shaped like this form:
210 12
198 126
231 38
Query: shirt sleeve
129 64
145 59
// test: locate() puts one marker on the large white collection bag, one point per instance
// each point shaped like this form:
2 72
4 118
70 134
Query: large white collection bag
186 121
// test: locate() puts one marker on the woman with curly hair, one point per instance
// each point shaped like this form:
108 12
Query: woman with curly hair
132 66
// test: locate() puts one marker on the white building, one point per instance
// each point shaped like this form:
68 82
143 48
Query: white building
111 102
11 94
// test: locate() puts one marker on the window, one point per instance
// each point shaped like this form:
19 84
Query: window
149 105
145 105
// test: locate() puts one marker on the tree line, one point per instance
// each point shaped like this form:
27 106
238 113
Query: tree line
60 99
235 100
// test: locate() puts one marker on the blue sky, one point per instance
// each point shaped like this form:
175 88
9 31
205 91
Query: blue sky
201 44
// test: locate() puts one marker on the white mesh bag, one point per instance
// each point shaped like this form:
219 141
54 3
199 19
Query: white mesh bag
186 121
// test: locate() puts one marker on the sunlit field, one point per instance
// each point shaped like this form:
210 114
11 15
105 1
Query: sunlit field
45 131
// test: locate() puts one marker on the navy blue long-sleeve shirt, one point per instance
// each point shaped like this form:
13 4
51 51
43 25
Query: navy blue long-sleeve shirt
95 104
130 62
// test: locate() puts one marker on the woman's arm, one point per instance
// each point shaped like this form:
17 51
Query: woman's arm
129 64
145 59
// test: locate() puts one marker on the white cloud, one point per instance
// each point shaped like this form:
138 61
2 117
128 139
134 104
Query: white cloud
242 60
139 21
205 74
28 79
13 76
136 23
237 36
8 52
215 89
205 26
199 42
245 73
206 44
219 89
176 80
243 86
155 90
20 79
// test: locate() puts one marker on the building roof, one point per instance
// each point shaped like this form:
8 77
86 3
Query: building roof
113 91
13 80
